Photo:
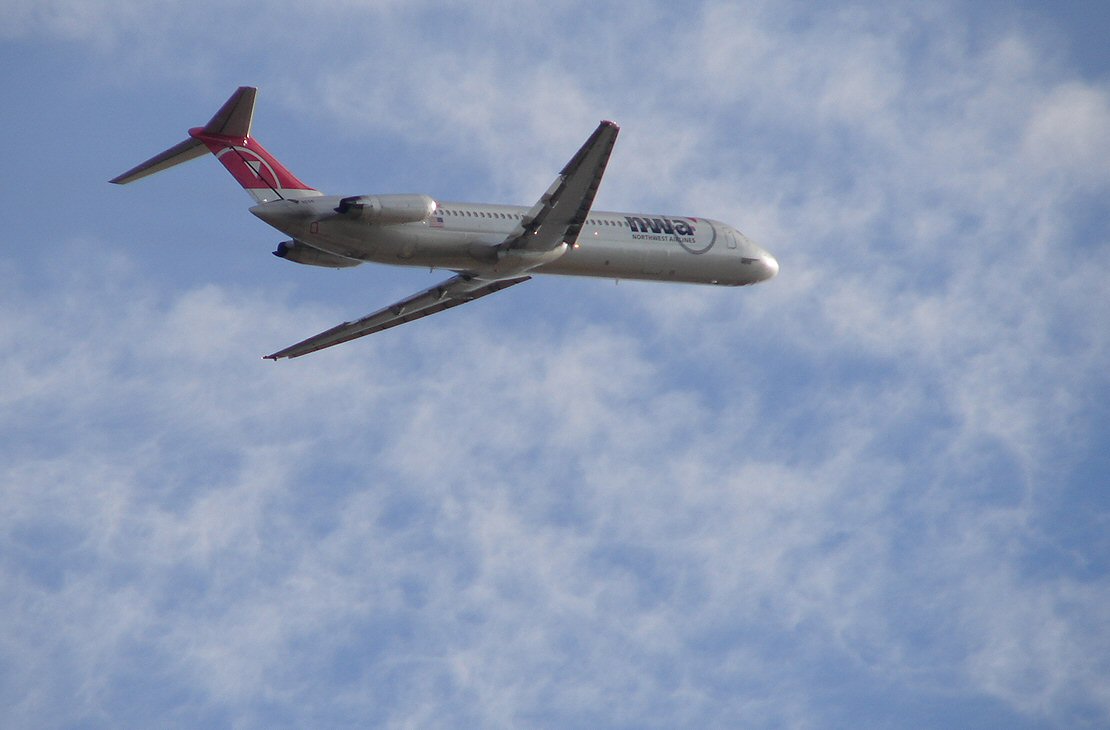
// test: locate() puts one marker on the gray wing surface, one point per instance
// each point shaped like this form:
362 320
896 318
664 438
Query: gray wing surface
558 216
457 290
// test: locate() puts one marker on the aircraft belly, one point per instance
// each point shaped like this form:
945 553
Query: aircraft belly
408 245
660 262
654 260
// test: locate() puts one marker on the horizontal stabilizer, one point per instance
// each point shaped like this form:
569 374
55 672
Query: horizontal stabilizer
181 152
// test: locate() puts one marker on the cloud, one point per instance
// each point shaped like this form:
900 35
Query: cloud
832 499
1065 134
571 542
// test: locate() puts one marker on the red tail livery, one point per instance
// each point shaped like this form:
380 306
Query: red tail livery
228 136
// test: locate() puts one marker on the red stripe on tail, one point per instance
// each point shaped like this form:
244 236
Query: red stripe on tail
251 165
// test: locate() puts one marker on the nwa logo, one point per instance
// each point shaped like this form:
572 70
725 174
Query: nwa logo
660 226
679 230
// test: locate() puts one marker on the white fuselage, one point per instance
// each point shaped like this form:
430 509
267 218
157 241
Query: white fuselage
464 237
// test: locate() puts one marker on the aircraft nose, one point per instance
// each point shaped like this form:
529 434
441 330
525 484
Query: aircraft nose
769 265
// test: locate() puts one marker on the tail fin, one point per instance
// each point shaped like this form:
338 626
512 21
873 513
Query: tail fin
228 136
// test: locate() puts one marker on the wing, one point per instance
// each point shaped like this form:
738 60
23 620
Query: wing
457 290
557 217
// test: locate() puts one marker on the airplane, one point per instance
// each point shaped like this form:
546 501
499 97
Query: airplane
489 247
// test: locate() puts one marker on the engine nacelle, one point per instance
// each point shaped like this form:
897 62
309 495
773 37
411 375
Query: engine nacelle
387 208
300 253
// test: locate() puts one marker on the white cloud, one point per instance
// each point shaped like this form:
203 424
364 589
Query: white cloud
653 516
1067 133
510 528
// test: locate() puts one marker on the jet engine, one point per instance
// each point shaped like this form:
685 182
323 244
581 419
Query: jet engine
387 208
300 253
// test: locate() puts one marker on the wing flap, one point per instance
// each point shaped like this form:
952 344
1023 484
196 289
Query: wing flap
451 293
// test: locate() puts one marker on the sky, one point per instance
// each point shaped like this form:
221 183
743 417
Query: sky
872 492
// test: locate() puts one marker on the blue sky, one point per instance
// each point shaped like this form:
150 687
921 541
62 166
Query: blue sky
871 492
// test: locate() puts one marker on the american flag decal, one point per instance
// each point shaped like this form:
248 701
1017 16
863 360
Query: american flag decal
436 221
